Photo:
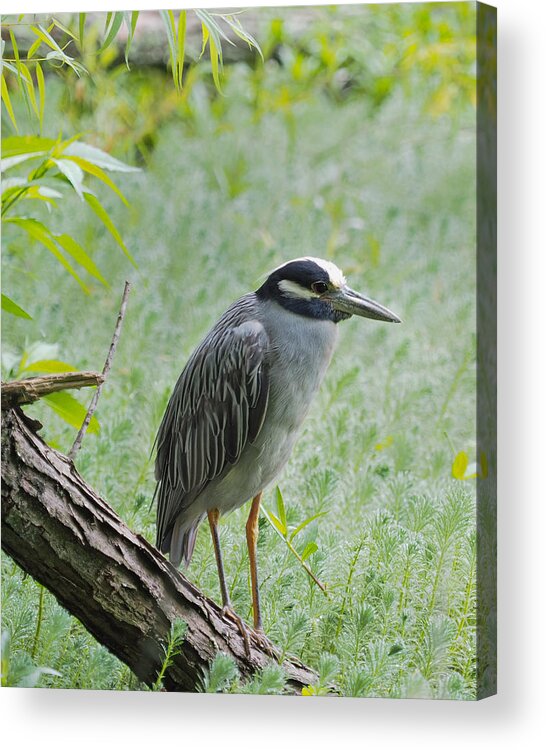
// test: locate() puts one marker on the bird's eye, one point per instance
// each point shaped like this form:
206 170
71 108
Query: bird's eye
319 287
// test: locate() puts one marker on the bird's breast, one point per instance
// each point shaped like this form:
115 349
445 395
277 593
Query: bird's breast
301 350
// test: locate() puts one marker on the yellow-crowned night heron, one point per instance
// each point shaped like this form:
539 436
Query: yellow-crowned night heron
240 402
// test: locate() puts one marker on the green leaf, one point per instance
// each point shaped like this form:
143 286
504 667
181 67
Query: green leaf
81 27
49 365
117 20
460 464
108 223
97 156
131 19
25 144
40 233
70 410
309 550
92 169
214 56
307 521
181 52
238 29
12 307
7 102
167 16
276 523
281 510
13 161
77 252
73 173
62 27
41 93
214 29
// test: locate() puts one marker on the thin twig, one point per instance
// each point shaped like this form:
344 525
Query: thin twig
105 370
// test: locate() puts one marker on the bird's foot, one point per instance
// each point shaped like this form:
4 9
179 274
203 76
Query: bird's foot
263 642
229 613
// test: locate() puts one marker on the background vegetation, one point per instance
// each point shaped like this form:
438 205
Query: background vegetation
353 140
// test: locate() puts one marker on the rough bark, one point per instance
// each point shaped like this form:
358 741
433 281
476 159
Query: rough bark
119 586
31 389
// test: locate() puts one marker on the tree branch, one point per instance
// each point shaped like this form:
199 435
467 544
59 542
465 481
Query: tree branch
119 586
26 391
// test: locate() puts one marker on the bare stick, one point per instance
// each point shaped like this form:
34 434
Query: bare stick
16 392
105 370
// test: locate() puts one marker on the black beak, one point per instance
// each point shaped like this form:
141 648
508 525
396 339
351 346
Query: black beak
348 301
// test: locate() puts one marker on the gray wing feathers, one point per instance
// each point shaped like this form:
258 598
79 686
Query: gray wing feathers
217 407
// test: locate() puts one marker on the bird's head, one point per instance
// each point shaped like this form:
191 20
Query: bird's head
316 288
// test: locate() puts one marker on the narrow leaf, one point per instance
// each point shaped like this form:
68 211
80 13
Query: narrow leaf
305 523
87 166
181 46
108 223
167 16
40 233
213 50
277 524
41 93
77 252
458 470
49 365
97 156
73 173
7 102
281 510
33 48
81 27
16 145
131 19
64 28
70 410
117 20
12 307
309 550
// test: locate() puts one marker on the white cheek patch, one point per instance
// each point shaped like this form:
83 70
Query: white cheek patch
291 289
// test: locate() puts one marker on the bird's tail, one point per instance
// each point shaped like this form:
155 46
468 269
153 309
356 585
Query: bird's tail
182 543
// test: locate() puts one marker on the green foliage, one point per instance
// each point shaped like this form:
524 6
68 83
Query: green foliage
222 674
354 142
177 634
19 670
40 358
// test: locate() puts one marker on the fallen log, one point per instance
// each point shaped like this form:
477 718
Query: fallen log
122 589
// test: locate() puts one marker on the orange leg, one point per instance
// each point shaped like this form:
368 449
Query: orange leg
252 541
